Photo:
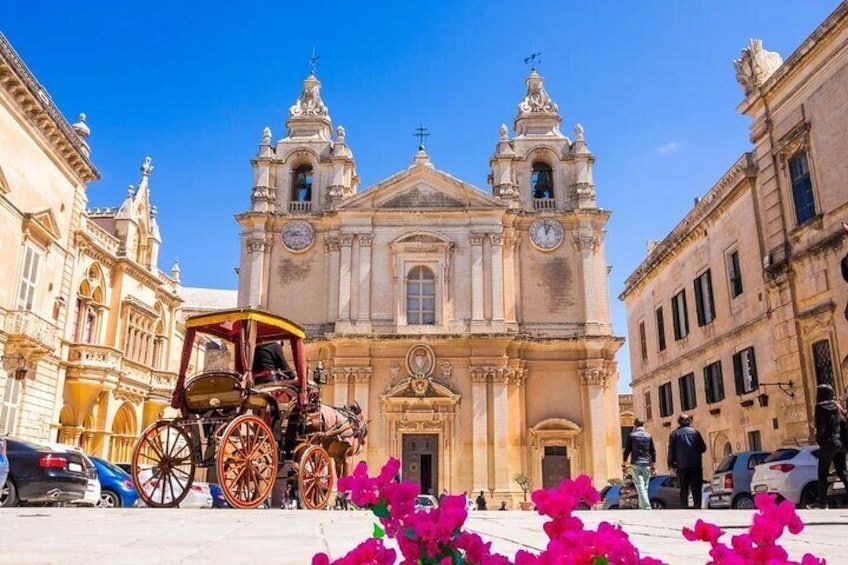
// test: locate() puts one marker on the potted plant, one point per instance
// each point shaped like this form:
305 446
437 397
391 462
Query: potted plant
523 481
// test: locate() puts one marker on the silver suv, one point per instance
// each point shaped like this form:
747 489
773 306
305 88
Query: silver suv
730 486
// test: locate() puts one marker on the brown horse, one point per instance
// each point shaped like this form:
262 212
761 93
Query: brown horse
344 430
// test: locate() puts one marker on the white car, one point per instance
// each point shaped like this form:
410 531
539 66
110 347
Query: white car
426 502
199 495
791 473
92 491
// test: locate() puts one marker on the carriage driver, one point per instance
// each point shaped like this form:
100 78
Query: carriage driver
269 364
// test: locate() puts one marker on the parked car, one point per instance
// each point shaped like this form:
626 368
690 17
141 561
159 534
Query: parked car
126 467
199 495
610 498
790 473
38 474
470 505
663 492
426 502
92 491
4 463
730 486
116 486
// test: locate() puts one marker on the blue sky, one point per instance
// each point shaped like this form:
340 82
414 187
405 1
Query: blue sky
193 84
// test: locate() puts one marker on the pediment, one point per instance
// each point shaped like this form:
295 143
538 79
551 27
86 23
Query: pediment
420 389
422 187
42 225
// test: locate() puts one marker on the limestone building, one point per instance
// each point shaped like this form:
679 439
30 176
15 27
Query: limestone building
737 314
472 326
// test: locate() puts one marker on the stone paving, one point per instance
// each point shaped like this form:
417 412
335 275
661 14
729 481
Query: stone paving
79 535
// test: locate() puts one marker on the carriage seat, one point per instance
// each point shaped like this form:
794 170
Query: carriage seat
213 390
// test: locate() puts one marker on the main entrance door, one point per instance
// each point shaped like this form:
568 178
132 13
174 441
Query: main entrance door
555 466
420 461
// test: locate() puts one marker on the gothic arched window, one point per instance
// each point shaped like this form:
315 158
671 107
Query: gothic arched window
542 180
421 296
302 184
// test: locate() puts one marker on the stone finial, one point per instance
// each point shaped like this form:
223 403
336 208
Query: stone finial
309 104
340 134
130 191
536 100
147 166
578 132
175 269
755 66
154 211
266 136
504 132
81 127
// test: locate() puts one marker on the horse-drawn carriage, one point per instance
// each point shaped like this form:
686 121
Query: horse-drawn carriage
246 434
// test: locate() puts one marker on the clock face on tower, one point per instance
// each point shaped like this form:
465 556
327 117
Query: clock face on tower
546 234
298 235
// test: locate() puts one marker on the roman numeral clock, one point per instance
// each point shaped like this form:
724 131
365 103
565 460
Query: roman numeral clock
546 234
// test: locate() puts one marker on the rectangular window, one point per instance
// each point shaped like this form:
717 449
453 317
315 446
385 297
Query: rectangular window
734 274
745 370
680 315
823 363
660 329
666 401
9 405
714 382
649 410
755 441
704 305
802 187
643 341
29 278
688 400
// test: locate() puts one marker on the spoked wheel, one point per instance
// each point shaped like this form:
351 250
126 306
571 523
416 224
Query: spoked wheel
315 477
247 462
163 465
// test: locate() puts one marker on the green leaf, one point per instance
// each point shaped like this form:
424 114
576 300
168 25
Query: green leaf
381 510
379 533
600 561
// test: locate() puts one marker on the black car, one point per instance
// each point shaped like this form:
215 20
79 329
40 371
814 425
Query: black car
38 474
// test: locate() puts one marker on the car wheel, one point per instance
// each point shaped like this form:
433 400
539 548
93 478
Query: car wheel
809 496
109 499
743 502
8 494
657 504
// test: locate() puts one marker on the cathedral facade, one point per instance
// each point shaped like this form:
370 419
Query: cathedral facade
471 326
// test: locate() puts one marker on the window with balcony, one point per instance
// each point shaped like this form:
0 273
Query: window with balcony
802 187
660 329
88 307
643 342
680 315
29 278
734 274
688 398
666 401
704 305
714 382
823 363
9 405
745 371
420 296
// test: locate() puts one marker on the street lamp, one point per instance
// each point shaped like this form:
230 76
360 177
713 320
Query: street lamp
785 387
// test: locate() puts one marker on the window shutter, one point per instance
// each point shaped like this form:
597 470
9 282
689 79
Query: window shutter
737 372
711 302
685 312
720 378
675 315
699 301
754 381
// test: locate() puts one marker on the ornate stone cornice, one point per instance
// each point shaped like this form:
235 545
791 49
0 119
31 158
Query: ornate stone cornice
346 240
595 376
476 239
496 239
331 244
357 375
585 241
257 245
365 239
265 193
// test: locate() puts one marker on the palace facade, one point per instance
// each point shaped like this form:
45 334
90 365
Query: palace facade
740 312
471 326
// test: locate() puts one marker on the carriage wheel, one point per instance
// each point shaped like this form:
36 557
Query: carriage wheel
315 477
163 465
247 462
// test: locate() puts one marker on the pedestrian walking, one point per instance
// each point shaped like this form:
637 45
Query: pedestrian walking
830 425
685 448
639 447
481 501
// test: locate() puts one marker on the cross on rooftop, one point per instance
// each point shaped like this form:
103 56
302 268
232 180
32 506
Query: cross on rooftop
533 59
312 63
421 132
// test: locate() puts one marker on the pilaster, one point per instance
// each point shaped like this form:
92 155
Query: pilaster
364 313
476 241
497 241
346 243
479 430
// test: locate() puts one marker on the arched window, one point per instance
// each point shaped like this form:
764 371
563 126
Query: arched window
421 296
89 304
302 184
542 180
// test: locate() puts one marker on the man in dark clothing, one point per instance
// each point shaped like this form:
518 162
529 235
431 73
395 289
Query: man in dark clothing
643 456
269 363
481 501
829 418
685 448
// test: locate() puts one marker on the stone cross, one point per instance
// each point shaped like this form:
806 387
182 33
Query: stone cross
533 59
312 63
421 133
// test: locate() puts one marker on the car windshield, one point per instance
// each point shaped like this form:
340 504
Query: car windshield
114 468
727 464
423 501
782 455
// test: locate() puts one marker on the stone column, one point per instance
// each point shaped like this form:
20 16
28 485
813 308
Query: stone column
361 388
331 247
496 240
476 278
364 314
346 242
501 417
256 247
587 243
594 381
479 431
